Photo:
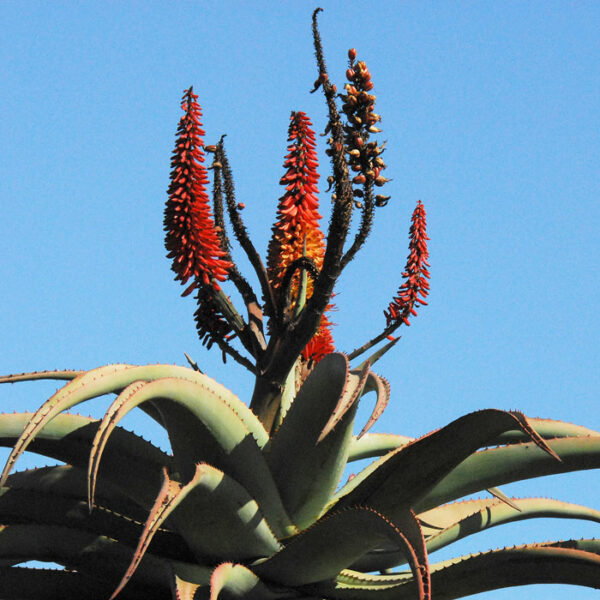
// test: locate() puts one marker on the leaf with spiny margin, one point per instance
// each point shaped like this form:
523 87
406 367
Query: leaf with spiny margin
376 444
316 466
226 522
132 464
447 524
404 476
381 387
202 428
86 552
355 384
182 589
27 583
499 466
114 378
573 562
61 375
230 581
320 552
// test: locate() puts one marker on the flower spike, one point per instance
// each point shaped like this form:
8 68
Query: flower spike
191 239
296 233
414 290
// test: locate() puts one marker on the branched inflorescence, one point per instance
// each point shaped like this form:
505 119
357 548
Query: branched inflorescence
191 239
414 290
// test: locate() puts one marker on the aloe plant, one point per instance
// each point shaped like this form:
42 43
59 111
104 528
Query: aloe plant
250 503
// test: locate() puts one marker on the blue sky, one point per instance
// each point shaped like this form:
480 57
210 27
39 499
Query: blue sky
491 114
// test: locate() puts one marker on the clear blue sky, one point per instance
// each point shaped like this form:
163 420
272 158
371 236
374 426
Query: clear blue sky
491 114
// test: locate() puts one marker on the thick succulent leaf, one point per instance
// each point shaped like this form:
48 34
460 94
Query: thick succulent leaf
322 551
317 467
401 478
548 429
25 583
201 428
499 466
77 549
182 589
376 444
381 387
449 523
131 463
225 522
114 378
576 563
62 375
230 581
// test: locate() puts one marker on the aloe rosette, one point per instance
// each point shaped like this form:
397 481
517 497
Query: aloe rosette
251 501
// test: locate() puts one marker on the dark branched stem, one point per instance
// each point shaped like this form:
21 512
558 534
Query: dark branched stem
252 336
227 349
378 338
303 263
366 223
240 232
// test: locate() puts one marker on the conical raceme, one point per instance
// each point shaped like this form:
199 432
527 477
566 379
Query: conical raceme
296 232
414 290
192 240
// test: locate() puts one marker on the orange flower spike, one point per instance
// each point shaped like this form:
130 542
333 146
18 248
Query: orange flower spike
414 290
191 239
297 213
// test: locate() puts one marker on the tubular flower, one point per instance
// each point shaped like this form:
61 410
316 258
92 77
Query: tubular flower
296 232
321 343
415 288
191 239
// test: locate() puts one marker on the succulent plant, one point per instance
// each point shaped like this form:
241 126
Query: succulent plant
250 502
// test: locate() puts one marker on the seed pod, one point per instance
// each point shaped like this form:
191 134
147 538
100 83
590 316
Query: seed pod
210 148
358 204
381 200
241 206
374 129
359 179
358 193
381 180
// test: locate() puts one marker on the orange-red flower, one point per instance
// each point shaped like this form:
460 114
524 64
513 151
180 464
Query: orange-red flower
191 239
414 290
296 232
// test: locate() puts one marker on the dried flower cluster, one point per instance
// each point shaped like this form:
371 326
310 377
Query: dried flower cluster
359 107
192 241
414 290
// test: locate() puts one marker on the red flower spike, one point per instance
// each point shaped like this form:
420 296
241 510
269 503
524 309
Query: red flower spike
297 224
191 239
414 290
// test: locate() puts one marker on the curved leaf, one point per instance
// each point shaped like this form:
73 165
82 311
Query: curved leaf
114 378
317 466
231 580
62 375
498 466
376 444
449 523
323 550
202 427
131 464
401 478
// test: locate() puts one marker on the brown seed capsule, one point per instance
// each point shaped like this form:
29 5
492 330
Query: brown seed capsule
370 174
241 206
358 193
381 180
210 148
358 204
352 53
354 152
359 179
374 129
381 200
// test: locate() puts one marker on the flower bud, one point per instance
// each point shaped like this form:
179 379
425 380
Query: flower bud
352 53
